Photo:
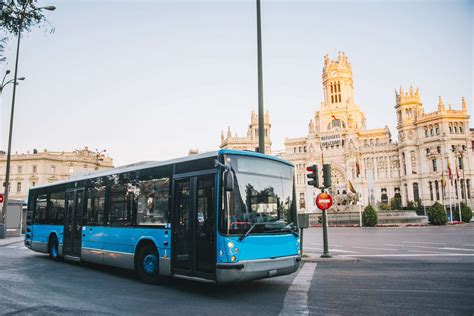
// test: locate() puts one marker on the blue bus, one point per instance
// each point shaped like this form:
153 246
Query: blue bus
225 216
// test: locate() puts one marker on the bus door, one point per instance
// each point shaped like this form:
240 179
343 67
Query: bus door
194 226
73 225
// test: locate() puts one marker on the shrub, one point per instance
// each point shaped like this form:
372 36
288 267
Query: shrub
384 206
396 203
369 216
411 206
466 213
437 215
420 209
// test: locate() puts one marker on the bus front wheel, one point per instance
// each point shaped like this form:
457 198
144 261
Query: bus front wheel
147 265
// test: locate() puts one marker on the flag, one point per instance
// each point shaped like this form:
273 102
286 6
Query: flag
443 181
450 173
333 116
357 165
351 187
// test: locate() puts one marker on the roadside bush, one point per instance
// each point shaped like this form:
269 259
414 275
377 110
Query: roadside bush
369 216
437 215
466 213
420 209
396 203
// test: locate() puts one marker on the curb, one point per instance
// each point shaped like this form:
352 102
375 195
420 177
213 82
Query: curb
313 258
6 242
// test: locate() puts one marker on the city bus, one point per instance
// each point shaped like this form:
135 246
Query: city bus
220 217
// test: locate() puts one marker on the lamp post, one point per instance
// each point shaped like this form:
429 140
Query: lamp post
261 127
21 16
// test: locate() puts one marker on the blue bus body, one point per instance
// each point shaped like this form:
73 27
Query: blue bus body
174 218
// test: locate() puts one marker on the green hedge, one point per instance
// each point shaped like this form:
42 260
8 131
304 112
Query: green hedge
437 215
466 213
369 216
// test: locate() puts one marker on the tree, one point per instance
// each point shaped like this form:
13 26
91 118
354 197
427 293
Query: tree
2 49
18 16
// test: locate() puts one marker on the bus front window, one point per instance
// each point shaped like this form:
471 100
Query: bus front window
262 197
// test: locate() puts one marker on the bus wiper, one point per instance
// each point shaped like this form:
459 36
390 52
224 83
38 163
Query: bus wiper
251 228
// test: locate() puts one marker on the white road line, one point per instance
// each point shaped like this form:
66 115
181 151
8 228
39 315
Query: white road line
296 298
340 250
424 242
416 255
468 245
312 248
436 248
390 249
425 251
457 249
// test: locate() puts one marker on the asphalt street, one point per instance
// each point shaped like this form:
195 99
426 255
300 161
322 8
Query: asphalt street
422 270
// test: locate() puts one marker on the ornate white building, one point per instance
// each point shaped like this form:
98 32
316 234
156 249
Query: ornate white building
430 147
31 169
250 142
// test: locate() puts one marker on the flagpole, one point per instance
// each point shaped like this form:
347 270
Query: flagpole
451 182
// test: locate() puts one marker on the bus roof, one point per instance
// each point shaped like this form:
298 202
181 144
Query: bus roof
152 164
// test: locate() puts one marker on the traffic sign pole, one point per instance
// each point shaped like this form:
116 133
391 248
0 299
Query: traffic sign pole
326 253
324 202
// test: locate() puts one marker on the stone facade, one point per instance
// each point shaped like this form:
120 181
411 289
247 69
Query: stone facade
31 169
250 142
369 161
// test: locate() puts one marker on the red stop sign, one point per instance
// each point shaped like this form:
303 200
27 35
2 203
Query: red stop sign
323 201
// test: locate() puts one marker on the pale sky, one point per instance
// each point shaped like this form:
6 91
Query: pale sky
148 80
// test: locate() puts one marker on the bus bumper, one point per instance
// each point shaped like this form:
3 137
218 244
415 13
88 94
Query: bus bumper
256 269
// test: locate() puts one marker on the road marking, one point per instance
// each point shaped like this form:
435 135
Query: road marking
437 248
340 250
426 251
468 244
458 249
311 248
424 242
390 249
416 255
296 298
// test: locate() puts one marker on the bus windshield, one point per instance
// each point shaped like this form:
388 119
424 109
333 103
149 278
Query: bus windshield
262 199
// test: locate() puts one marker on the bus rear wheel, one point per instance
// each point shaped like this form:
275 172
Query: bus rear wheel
53 248
147 264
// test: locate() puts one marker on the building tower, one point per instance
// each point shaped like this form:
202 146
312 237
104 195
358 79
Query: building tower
338 110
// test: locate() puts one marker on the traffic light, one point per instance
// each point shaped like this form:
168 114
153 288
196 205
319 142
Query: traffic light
320 219
327 175
313 176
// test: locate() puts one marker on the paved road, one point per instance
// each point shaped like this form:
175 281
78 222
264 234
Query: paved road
437 280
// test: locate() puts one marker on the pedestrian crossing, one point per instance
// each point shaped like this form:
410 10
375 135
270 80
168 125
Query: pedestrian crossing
401 249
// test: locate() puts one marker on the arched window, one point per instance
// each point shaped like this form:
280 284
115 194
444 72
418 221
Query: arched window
431 190
437 129
336 124
450 128
426 131
416 193
460 128
437 190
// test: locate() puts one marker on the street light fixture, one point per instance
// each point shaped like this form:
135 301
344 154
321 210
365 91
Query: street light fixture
21 16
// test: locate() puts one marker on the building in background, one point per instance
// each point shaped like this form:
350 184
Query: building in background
250 142
431 161
31 169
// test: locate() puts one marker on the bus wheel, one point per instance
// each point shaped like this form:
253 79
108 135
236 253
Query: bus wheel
148 264
53 248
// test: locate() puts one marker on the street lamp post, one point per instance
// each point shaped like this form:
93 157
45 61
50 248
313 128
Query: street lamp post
261 128
21 16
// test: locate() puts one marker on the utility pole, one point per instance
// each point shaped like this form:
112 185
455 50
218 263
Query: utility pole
261 127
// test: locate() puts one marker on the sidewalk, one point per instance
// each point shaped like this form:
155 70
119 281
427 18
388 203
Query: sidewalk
317 258
10 240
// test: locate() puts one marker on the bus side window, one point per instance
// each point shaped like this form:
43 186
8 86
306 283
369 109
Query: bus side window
56 208
95 206
153 202
41 207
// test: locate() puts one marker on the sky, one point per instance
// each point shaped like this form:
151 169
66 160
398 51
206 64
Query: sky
149 80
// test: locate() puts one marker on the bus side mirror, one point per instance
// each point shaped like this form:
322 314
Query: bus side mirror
228 180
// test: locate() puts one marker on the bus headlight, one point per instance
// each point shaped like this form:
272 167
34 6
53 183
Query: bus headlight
233 258
236 250
230 244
